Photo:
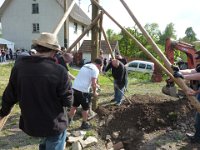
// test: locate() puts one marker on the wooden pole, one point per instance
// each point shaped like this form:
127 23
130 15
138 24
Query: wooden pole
95 33
65 25
83 34
57 29
178 81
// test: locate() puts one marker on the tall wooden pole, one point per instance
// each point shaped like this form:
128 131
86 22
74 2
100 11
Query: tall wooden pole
95 33
65 24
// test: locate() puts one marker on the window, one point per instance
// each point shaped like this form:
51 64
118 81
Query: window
142 66
83 29
35 8
75 27
134 65
36 28
149 67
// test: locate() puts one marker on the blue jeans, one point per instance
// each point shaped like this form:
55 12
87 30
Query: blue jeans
197 121
119 93
54 143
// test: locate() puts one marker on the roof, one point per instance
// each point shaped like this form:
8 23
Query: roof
76 14
4 41
86 46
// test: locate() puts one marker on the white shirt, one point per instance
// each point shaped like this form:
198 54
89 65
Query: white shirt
83 80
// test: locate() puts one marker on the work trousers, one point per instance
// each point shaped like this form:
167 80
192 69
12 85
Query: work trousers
119 93
54 143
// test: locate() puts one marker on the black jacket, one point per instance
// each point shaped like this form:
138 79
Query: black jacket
119 74
41 88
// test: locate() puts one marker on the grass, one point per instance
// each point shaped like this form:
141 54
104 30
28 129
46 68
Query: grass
13 138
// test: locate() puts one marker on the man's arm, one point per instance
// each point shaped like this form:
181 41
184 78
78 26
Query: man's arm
194 76
188 71
71 76
94 86
108 67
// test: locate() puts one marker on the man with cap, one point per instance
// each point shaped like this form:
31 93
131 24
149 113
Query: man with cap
86 78
192 74
40 87
119 74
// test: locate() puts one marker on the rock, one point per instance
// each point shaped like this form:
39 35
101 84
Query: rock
118 146
76 146
109 145
88 142
108 137
115 135
72 139
110 117
101 123
78 133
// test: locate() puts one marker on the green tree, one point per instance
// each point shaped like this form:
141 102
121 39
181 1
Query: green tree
168 33
112 36
190 35
153 30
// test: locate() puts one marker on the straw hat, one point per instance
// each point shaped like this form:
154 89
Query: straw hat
48 40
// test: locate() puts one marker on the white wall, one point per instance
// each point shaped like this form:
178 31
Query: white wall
17 22
73 36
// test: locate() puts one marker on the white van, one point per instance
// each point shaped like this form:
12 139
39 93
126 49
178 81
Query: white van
140 66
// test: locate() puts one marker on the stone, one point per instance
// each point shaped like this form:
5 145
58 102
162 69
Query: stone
89 141
76 146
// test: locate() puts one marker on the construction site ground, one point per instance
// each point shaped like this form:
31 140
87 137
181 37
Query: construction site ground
152 121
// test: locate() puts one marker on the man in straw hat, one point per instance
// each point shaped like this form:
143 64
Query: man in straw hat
40 87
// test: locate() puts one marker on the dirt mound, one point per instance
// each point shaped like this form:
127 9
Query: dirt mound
147 113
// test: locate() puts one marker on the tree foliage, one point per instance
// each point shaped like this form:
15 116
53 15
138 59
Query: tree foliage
190 35
129 48
169 32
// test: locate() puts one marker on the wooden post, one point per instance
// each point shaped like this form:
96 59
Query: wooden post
167 63
95 33
65 24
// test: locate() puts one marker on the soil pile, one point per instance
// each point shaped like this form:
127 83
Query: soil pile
145 114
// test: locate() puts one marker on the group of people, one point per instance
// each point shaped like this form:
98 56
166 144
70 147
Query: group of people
6 54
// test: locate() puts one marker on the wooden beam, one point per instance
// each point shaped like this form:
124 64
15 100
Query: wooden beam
83 34
66 14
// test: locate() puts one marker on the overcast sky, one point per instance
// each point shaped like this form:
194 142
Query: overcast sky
182 13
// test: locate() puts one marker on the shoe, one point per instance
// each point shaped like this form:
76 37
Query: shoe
118 104
192 138
112 100
70 120
85 125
